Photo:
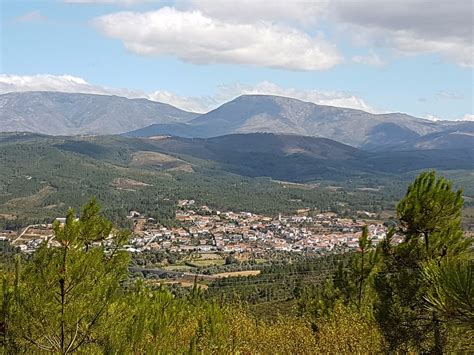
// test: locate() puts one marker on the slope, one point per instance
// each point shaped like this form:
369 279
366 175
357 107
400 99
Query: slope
57 113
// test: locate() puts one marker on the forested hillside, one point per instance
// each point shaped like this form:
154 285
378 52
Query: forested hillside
42 175
411 296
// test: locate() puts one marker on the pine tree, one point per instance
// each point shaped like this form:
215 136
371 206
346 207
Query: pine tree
452 288
62 296
430 221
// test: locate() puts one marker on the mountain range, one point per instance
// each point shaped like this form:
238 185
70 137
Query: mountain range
55 113
282 115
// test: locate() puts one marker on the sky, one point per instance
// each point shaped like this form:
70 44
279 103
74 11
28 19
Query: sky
410 56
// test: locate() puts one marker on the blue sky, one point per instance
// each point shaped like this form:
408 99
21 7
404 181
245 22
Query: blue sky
197 54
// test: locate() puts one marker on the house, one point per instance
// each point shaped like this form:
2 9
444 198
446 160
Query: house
133 214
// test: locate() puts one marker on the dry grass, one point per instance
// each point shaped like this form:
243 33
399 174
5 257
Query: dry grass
34 200
186 168
201 263
125 183
209 256
152 158
8 216
160 160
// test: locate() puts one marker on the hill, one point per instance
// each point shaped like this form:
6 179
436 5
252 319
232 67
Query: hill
57 113
275 114
301 159
458 136
42 175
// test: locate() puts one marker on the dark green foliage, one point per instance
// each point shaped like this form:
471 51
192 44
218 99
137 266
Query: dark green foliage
59 300
430 217
430 208
50 174
282 283
413 296
351 283
40 179
420 290
451 291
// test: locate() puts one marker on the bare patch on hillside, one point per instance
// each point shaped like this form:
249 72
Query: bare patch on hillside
127 184
185 168
34 200
160 161
151 158
8 216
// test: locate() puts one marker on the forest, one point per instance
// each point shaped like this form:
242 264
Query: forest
413 296
42 176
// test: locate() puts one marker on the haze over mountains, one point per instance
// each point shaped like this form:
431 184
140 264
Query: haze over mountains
56 113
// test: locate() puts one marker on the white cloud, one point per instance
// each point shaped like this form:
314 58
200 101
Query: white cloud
433 118
33 16
277 33
112 2
410 26
197 38
63 83
228 92
68 83
466 117
372 59
330 98
200 104
250 11
448 95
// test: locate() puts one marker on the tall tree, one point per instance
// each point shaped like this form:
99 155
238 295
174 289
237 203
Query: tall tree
63 294
430 222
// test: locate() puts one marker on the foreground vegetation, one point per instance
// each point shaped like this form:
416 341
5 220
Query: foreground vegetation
416 296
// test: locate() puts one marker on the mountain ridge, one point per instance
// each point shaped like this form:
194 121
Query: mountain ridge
282 115
58 113
280 157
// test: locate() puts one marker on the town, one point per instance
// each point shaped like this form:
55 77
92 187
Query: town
203 230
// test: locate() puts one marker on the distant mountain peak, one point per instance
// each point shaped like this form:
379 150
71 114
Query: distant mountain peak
60 113
251 113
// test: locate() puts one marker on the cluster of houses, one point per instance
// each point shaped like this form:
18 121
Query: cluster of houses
204 230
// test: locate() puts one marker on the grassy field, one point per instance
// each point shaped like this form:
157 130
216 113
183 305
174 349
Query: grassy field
209 256
205 263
